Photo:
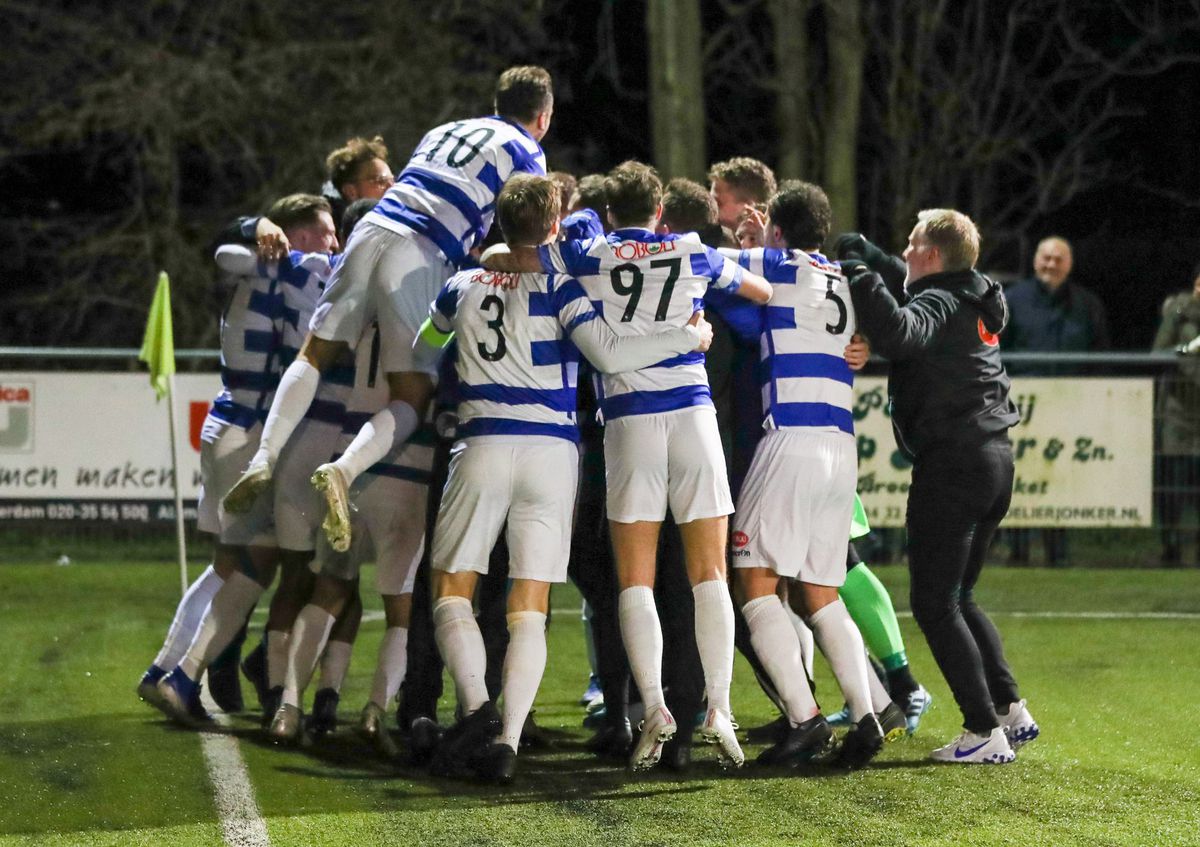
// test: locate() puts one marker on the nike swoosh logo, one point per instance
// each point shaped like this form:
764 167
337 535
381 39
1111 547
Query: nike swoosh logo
960 753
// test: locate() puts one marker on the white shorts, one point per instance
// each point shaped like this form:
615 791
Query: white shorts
387 524
795 506
386 276
530 481
222 462
300 508
671 459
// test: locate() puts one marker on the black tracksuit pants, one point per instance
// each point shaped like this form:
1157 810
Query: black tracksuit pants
959 495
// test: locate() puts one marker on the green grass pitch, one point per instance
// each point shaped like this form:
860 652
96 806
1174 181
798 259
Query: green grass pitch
1118 763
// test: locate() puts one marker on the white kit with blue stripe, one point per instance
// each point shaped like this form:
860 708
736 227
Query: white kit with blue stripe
262 327
517 368
447 192
802 335
642 283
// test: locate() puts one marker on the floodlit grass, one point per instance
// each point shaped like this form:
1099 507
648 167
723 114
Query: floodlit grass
83 762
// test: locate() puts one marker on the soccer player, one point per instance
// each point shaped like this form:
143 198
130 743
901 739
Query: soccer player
661 444
519 337
389 500
246 555
737 186
795 508
404 249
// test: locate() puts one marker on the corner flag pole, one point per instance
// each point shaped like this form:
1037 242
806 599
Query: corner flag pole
158 351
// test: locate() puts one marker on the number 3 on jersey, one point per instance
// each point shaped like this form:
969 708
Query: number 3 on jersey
496 324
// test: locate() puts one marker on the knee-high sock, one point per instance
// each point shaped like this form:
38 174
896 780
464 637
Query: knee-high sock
335 662
778 648
226 613
842 644
390 426
870 607
461 645
188 615
389 671
277 656
714 639
297 388
307 640
807 645
642 634
524 664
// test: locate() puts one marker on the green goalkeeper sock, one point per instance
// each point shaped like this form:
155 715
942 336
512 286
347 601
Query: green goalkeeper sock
870 607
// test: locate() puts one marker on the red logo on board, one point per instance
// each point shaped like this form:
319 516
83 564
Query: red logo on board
740 539
991 339
197 412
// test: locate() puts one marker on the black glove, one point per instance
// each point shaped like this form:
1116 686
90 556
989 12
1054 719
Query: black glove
853 268
850 245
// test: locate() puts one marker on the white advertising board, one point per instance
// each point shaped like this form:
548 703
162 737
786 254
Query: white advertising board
95 446
1084 452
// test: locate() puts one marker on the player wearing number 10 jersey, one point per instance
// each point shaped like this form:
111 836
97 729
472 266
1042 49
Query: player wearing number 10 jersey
397 258
661 445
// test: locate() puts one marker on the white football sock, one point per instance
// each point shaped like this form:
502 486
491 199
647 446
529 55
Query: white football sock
879 695
307 639
524 664
774 640
461 645
842 644
188 615
714 639
277 656
390 426
807 646
335 664
642 634
391 667
226 613
297 388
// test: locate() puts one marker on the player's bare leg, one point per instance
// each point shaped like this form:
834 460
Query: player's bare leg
704 553
410 393
297 388
635 550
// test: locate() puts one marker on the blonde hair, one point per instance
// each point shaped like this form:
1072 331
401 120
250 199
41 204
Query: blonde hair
954 235
527 209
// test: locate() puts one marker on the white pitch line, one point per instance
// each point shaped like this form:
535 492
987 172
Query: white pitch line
241 821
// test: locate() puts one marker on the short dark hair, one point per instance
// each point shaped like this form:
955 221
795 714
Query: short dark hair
342 164
523 92
353 214
566 188
751 180
634 191
297 210
687 206
589 194
527 208
802 211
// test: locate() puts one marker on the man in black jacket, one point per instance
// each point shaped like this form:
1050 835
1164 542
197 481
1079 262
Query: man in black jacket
951 412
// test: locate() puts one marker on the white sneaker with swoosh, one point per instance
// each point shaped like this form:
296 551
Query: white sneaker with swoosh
974 749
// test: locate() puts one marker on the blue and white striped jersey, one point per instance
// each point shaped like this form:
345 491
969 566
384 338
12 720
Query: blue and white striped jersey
412 460
642 283
262 328
447 192
802 335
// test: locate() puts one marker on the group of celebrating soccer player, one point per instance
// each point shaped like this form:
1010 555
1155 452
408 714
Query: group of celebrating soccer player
441 410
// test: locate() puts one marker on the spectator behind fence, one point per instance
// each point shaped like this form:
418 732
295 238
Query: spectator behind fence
1178 413
1051 313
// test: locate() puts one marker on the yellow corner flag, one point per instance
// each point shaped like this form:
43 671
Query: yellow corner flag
158 346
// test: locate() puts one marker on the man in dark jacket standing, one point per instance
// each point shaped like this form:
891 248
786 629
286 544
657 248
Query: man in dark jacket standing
951 413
